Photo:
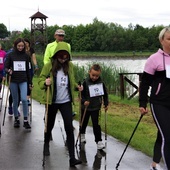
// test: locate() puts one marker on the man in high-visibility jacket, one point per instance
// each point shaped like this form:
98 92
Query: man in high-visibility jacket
49 51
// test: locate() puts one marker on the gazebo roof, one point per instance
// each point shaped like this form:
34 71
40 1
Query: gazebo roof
38 15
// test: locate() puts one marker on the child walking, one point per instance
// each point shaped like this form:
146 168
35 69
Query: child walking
93 94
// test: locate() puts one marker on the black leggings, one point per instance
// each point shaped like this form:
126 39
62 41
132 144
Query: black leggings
157 148
95 121
66 112
161 116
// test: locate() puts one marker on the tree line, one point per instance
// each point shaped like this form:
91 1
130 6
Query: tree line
97 36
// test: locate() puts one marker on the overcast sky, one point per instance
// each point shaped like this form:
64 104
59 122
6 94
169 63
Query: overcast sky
14 14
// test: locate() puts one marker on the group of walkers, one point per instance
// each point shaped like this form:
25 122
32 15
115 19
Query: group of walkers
58 75
58 84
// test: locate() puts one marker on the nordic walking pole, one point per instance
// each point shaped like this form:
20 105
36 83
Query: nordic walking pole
46 120
2 94
79 83
81 124
9 81
105 128
128 142
31 108
79 96
105 137
0 128
2 102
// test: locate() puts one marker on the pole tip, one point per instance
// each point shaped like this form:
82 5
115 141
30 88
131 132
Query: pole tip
117 166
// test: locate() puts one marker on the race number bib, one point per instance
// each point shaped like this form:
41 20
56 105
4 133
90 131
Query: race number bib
62 80
167 71
1 60
19 66
96 90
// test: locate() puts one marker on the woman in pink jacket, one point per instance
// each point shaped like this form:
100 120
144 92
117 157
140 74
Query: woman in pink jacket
157 76
2 57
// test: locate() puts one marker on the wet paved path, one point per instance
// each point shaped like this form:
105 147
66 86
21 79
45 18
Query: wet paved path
23 150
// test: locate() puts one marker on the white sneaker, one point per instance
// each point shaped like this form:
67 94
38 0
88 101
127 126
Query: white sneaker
100 145
83 139
158 167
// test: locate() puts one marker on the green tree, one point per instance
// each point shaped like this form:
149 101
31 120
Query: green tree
98 36
3 31
69 30
50 33
153 42
81 39
26 34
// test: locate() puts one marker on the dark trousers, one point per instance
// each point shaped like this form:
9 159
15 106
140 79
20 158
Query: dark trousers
66 112
95 121
157 148
28 89
161 116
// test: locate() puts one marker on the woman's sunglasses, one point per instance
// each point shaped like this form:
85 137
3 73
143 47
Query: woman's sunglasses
61 58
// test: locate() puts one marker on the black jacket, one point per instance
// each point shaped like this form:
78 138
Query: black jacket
18 76
95 102
160 89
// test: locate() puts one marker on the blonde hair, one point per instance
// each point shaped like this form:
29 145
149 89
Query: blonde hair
162 33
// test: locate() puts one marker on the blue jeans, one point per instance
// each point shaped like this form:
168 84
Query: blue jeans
23 92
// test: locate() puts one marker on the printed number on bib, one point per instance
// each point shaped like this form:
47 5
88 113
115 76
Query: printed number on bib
96 90
19 66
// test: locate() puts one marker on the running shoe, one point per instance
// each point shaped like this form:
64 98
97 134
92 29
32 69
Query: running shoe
27 125
158 167
16 123
74 161
10 111
100 145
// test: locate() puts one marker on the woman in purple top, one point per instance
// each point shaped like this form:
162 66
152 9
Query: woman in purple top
157 76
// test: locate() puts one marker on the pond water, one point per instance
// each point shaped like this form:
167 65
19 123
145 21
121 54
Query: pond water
131 65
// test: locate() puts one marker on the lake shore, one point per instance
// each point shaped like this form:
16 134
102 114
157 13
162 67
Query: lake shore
110 57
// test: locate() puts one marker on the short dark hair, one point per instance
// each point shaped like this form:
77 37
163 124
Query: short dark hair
95 67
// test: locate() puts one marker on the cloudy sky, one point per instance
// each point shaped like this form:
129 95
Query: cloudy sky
15 15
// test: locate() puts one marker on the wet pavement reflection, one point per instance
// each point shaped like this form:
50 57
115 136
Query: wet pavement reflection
23 150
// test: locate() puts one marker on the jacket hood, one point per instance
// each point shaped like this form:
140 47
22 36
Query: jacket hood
62 46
